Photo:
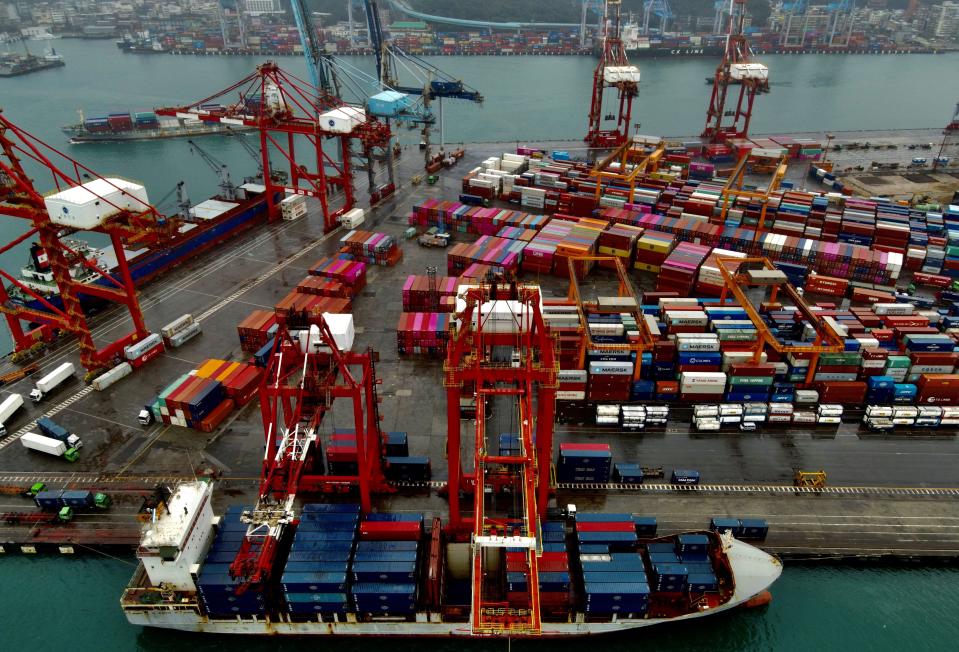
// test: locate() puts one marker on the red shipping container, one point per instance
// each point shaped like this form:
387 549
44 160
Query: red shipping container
341 453
905 321
216 416
149 355
613 526
667 387
750 369
583 447
842 392
923 358
390 530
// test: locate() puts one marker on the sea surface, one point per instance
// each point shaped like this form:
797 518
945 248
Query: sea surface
72 604
50 603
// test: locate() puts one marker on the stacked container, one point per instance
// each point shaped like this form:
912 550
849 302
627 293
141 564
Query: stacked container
418 297
310 305
425 333
385 566
192 402
256 330
240 381
579 463
342 456
619 240
342 268
216 589
616 531
615 584
324 287
488 250
371 248
316 577
750 381
679 270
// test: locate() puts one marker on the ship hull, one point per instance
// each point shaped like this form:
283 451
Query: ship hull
148 266
668 53
41 65
754 571
79 136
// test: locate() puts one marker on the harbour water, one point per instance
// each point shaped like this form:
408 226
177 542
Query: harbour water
527 99
819 608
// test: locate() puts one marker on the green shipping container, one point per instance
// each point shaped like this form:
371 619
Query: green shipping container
898 362
736 335
751 380
840 359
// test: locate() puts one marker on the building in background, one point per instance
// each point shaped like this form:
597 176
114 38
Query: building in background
944 21
257 7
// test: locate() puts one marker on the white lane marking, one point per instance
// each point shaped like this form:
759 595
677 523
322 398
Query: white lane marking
60 407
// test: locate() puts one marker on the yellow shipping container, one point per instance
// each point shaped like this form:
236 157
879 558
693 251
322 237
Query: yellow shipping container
226 372
654 245
612 251
209 367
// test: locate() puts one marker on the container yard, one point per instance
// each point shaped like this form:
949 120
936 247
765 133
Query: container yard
651 372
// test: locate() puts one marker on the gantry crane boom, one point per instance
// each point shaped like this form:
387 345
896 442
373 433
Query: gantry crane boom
123 214
436 84
283 107
477 361
221 169
612 71
735 68
296 393
322 75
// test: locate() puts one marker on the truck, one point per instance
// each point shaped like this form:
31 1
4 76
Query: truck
139 353
145 416
434 238
10 405
54 430
63 515
75 499
685 476
107 379
42 444
51 381
353 218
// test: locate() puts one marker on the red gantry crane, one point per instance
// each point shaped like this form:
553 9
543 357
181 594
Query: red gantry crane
304 378
65 276
286 110
502 355
612 71
736 68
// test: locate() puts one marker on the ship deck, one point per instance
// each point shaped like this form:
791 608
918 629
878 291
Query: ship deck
891 496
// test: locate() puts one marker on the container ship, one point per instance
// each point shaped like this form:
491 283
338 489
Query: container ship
394 575
210 222
143 125
141 44
639 46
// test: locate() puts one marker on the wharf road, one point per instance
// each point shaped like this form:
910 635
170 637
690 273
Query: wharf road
258 268
848 523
